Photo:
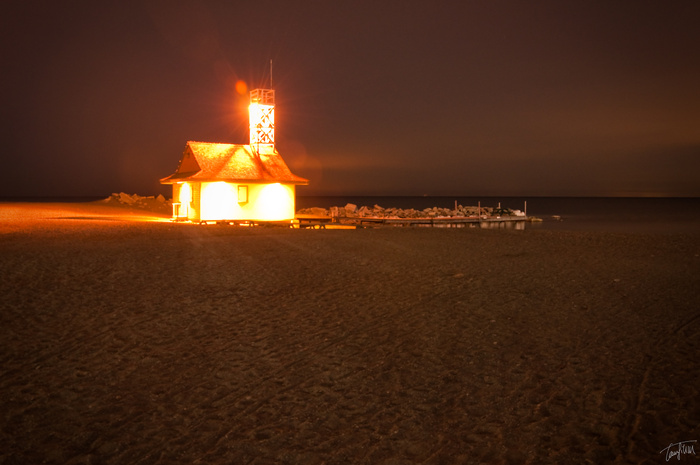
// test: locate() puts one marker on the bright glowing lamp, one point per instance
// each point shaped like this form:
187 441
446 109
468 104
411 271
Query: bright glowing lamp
261 116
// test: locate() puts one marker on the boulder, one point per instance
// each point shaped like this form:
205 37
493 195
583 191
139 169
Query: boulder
316 211
126 198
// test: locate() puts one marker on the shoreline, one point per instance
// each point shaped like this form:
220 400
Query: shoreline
632 223
599 214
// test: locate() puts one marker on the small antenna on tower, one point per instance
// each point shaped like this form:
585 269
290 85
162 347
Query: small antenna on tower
270 74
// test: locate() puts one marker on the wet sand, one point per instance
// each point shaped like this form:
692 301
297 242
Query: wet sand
125 340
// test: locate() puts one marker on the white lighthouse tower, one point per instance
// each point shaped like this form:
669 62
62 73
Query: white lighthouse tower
261 115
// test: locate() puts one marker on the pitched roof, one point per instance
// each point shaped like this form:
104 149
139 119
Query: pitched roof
208 161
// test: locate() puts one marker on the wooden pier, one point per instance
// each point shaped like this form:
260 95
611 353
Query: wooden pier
353 222
322 222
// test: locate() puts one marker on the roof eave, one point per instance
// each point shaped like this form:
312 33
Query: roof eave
179 179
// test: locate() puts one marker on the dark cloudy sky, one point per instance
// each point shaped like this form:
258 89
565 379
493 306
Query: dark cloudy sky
472 97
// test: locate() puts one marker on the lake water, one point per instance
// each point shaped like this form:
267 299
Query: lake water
612 214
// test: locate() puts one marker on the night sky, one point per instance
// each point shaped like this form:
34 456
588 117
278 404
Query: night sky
375 97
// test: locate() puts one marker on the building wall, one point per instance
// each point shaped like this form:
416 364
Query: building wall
195 206
215 201
177 207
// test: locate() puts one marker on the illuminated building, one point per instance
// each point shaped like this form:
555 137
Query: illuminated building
231 182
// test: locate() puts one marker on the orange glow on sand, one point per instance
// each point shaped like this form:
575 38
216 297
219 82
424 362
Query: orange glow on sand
18 217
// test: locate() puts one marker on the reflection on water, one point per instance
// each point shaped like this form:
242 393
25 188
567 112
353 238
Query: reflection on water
650 225
516 225
492 224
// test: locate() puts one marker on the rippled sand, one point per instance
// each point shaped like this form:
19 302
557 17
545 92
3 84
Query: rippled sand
128 339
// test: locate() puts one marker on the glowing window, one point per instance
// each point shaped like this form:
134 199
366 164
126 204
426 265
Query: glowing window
242 194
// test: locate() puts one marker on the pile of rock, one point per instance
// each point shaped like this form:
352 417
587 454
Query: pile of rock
352 211
151 203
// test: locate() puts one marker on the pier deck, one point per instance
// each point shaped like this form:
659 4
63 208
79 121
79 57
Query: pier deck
306 221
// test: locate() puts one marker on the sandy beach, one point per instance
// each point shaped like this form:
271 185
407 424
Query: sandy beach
127 339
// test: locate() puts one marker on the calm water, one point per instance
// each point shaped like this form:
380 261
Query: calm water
613 214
